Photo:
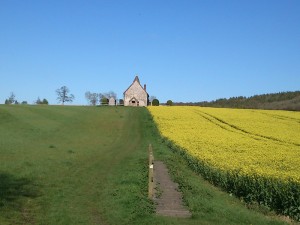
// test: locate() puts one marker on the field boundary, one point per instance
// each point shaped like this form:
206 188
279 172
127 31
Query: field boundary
282 197
163 191
151 174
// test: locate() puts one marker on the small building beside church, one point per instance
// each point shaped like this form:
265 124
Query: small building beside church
136 95
112 101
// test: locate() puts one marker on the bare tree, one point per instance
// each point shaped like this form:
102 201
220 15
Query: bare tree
111 94
104 97
92 98
63 95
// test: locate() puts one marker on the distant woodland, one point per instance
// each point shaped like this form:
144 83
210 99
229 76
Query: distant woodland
281 101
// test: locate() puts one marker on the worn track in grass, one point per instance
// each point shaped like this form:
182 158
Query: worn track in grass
167 197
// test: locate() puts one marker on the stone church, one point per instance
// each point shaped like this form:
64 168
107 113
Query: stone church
136 95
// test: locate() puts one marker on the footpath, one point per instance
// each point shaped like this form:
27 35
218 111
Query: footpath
167 197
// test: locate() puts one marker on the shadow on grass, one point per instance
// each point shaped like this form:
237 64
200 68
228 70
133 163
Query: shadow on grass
13 189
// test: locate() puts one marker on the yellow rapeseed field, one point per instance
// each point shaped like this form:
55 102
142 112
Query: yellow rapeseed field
254 142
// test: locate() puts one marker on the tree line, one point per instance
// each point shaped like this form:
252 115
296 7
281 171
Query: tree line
101 98
283 100
275 101
12 100
93 98
64 96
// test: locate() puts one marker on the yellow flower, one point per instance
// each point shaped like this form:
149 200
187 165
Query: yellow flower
256 142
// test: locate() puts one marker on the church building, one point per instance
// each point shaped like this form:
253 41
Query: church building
136 95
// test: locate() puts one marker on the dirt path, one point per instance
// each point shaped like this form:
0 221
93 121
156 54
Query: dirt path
167 197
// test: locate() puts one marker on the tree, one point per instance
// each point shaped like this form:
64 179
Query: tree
38 101
121 102
92 98
104 97
169 103
24 103
11 99
111 94
155 102
151 99
45 101
63 95
104 100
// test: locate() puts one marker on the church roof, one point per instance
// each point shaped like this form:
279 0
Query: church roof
136 79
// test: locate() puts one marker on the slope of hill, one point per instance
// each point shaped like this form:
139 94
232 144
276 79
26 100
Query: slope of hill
280 101
89 165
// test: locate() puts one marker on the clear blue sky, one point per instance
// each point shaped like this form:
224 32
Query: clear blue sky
192 50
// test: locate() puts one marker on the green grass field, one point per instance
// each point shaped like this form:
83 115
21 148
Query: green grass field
88 165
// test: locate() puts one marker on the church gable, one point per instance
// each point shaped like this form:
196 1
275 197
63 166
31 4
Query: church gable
136 95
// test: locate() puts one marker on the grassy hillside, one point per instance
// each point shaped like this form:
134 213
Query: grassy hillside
88 165
58 164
